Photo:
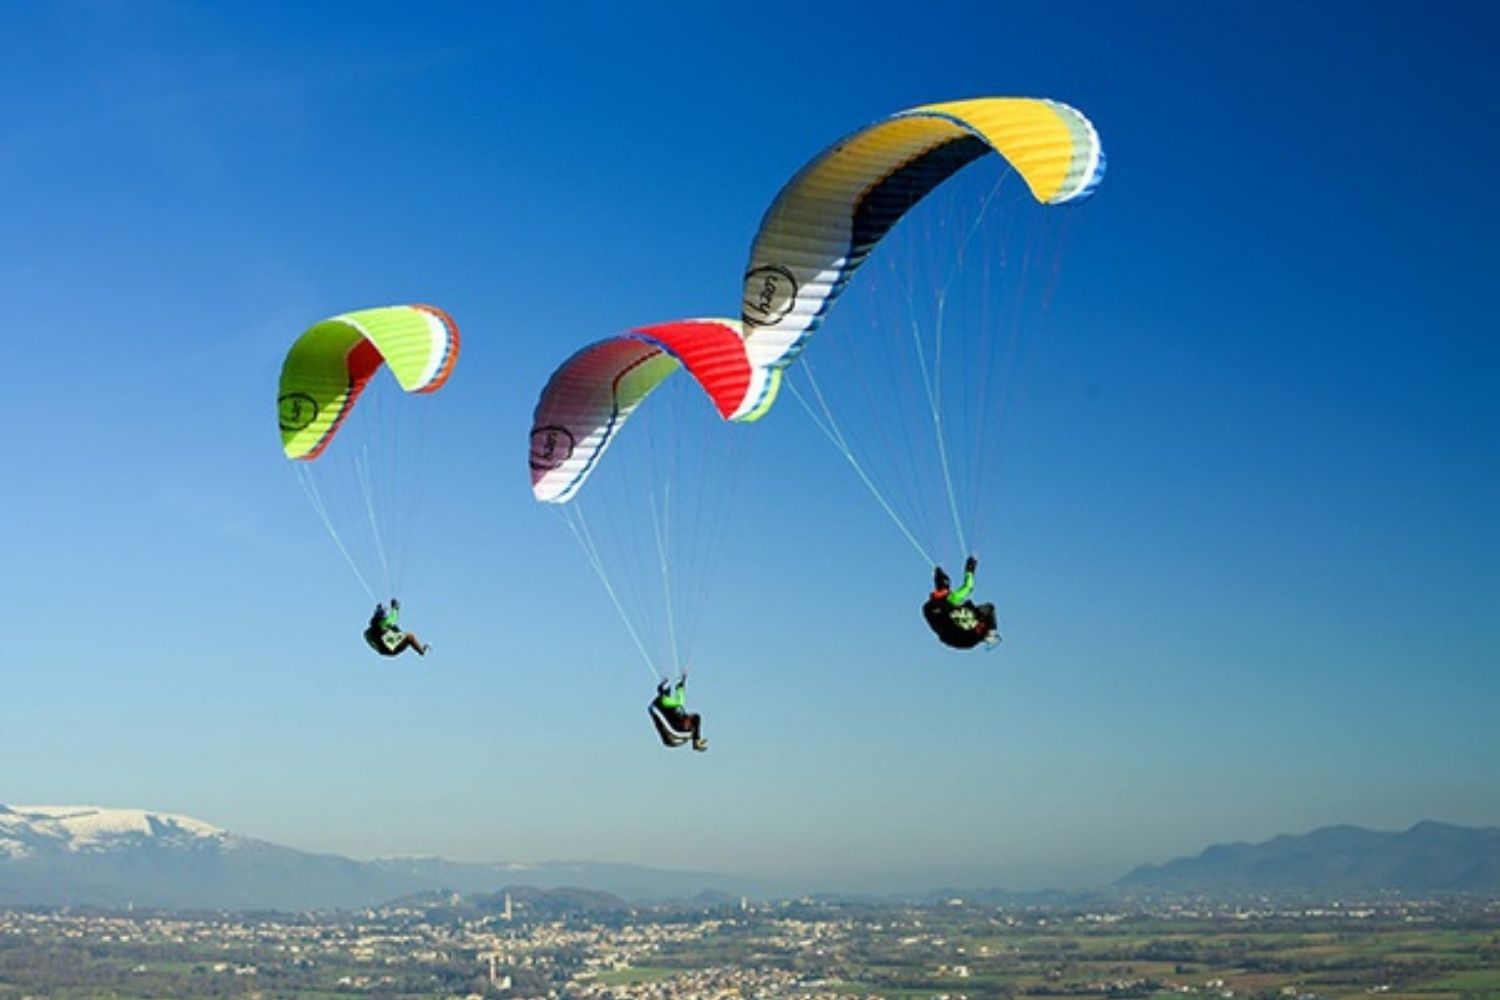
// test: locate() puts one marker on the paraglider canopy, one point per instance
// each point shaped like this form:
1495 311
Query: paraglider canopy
331 364
592 394
827 219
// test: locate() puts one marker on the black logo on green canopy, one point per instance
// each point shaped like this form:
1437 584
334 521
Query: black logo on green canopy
296 410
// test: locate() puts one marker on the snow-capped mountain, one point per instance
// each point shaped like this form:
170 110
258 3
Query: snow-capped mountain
93 856
26 831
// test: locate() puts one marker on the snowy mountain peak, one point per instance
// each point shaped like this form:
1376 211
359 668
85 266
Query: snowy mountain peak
26 829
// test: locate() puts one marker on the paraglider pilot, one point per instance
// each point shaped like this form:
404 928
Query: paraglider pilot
674 723
957 621
386 637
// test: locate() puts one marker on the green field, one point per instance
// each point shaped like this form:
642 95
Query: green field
635 976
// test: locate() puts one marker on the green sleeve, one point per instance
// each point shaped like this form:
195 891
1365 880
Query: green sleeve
675 699
956 597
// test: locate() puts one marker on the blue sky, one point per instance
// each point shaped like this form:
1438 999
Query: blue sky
1248 567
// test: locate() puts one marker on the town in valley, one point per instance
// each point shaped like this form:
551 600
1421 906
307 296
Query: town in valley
542 946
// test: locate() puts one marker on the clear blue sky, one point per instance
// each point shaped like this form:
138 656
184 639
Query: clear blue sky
1249 571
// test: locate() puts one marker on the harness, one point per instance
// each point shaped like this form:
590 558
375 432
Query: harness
383 640
670 734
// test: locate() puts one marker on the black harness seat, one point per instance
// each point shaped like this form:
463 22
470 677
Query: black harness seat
670 734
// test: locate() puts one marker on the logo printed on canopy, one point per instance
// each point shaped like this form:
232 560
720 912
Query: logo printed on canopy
770 293
551 446
296 410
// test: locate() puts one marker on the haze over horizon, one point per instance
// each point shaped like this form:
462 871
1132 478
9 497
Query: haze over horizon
1248 569
80 855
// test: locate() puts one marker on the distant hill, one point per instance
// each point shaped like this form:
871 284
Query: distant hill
553 902
92 856
1429 858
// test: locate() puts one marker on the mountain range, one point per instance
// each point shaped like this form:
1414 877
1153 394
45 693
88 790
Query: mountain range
92 856
1430 858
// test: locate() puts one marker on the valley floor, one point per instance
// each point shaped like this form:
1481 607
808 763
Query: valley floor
808 949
